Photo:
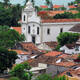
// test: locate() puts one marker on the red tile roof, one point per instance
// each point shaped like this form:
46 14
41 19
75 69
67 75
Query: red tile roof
44 6
57 6
20 52
53 53
29 46
52 45
66 64
72 6
53 13
59 20
18 29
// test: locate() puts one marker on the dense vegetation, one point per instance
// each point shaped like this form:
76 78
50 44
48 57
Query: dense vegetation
67 15
22 71
9 37
48 77
7 59
10 15
66 38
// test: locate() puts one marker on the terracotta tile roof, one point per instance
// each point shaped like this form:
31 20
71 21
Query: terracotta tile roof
53 53
61 20
75 28
29 46
64 56
57 6
72 6
18 29
44 6
66 64
52 45
53 13
20 52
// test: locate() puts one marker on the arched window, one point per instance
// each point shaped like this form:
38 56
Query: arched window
29 29
24 17
37 30
48 31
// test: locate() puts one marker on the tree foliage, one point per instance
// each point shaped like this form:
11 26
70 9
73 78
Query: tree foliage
11 15
44 76
22 71
66 38
9 38
65 15
7 59
14 78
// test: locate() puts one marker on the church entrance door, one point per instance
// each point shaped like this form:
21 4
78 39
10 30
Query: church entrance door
33 39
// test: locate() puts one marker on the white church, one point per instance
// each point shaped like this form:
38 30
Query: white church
37 30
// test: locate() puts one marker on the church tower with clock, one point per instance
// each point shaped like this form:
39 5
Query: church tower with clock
31 24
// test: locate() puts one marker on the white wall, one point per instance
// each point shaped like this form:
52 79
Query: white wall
55 30
21 58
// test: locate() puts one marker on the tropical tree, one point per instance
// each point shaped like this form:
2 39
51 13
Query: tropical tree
67 38
22 71
6 2
7 59
9 38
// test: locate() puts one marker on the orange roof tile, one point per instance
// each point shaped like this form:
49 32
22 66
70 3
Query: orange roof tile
29 46
66 64
53 53
64 56
59 20
44 6
57 6
21 52
72 6
18 29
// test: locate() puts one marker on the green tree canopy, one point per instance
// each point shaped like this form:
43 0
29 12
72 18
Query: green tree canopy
7 59
14 78
9 38
44 76
65 15
66 38
22 71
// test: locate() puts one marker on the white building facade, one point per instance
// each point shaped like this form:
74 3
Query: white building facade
37 31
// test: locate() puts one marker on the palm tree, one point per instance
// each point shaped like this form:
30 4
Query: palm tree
48 2
6 3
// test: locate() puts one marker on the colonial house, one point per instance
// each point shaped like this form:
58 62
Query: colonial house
39 30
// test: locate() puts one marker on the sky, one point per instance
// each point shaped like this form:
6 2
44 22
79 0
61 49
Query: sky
42 2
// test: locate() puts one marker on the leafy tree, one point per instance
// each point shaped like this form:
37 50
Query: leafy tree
4 28
7 59
60 78
48 2
44 76
65 15
66 38
14 78
22 71
6 2
9 38
13 15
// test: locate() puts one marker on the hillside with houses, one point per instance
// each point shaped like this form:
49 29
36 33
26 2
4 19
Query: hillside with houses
39 42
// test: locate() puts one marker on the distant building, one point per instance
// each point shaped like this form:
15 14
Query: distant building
39 30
